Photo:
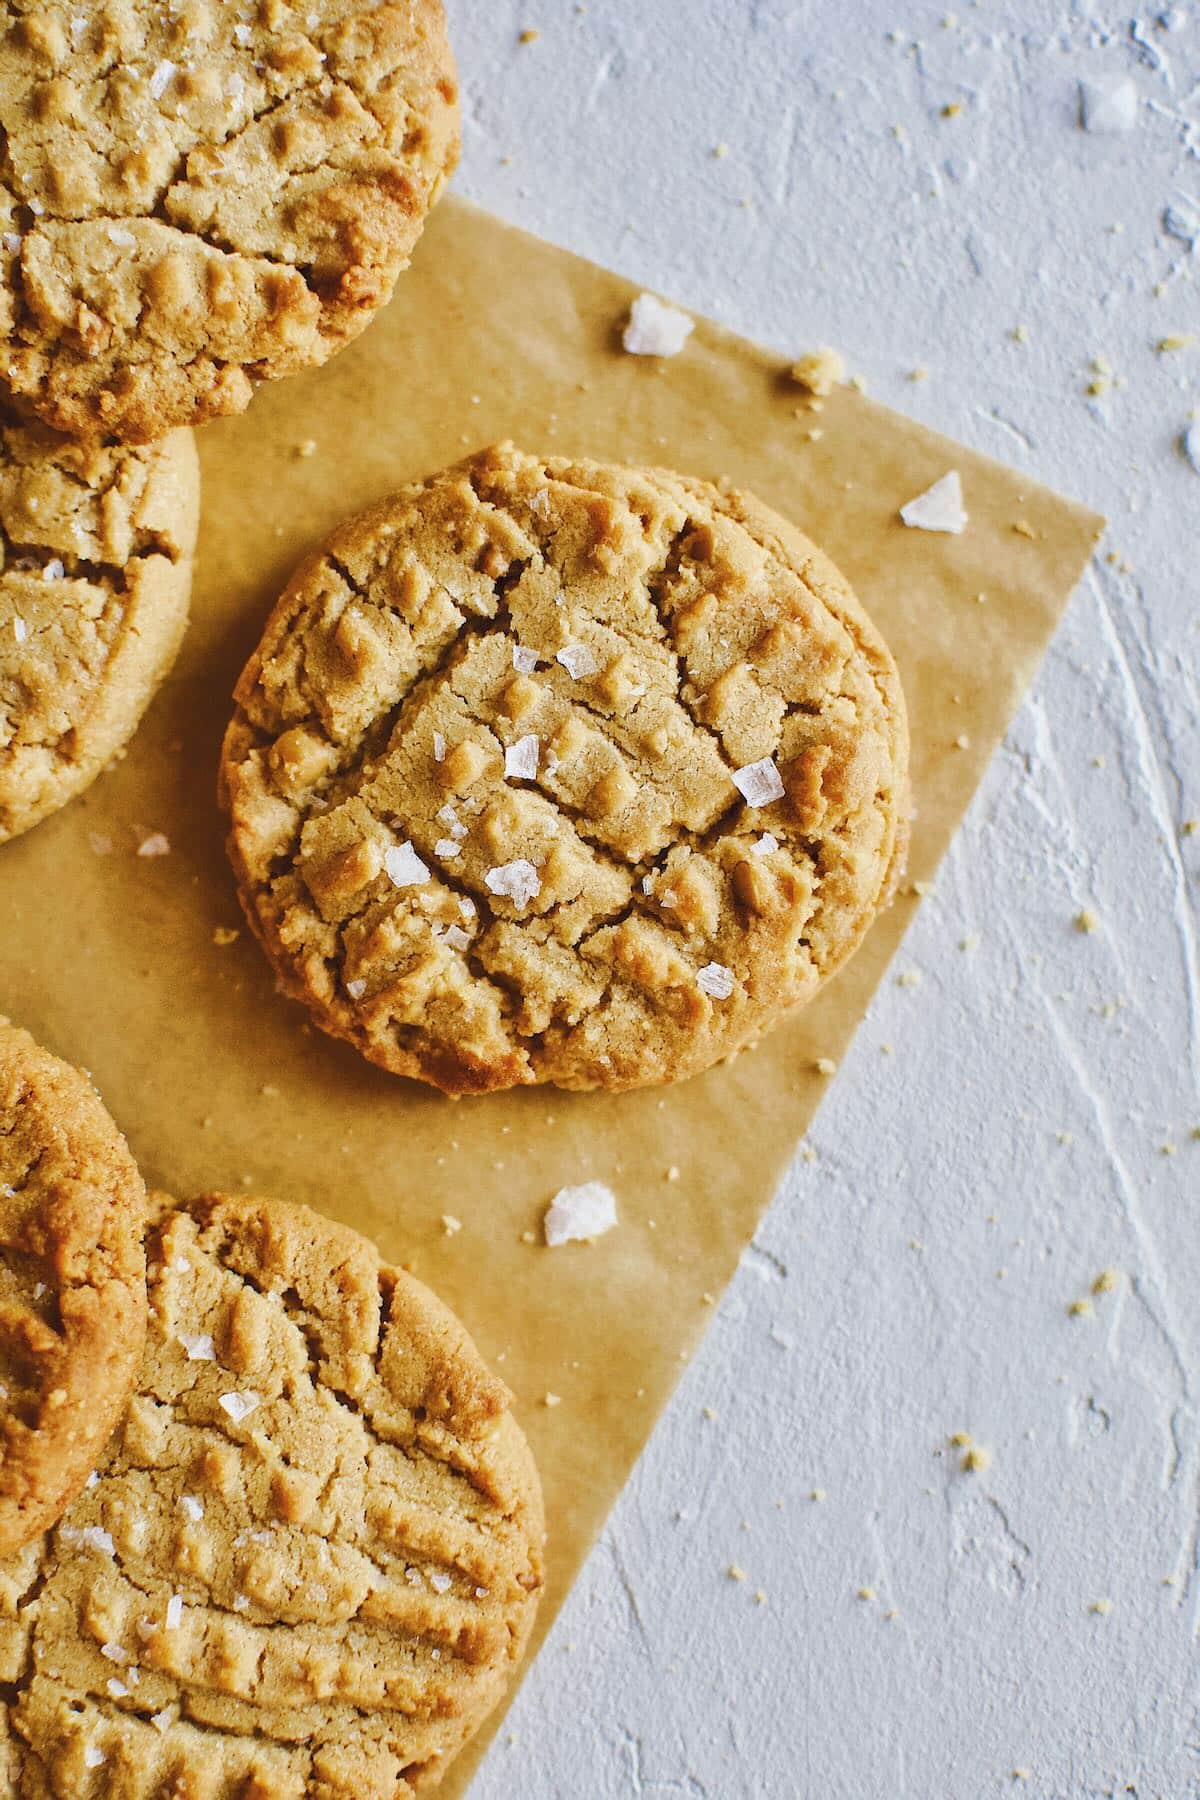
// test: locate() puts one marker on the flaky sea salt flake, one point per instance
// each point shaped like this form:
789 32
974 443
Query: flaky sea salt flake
447 848
939 508
54 570
356 989
1108 107
440 1582
579 1214
759 783
404 866
525 661
93 1757
521 759
715 980
161 1721
577 660
174 1612
655 329
239 1406
766 845
191 1507
117 234
162 78
198 1345
157 843
457 938
439 747
20 628
518 881
117 1689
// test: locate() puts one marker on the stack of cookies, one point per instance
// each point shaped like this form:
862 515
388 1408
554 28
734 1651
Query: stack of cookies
544 771
267 1526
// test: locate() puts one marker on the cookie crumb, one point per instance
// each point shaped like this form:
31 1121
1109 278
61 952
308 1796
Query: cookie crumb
864 1593
549 1399
710 1412
1087 921
224 935
977 1460
306 447
580 1214
818 1494
735 1572
1024 529
825 1065
939 508
1106 1282
530 35
820 371
1101 1607
1175 340
1080 1309
655 329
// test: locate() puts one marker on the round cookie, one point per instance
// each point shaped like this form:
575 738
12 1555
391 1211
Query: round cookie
553 771
310 1562
95 577
201 197
72 1284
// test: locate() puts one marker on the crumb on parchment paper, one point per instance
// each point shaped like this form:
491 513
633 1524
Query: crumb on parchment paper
820 371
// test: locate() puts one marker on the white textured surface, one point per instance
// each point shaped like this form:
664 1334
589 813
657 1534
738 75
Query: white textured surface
1021 1120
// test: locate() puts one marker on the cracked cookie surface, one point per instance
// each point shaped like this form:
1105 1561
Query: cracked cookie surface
95 578
194 199
553 771
311 1560
72 1283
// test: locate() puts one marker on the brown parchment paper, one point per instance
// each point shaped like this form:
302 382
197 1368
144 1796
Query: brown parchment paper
110 959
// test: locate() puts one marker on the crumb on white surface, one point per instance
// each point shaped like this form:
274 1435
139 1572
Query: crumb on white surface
656 329
939 508
579 1214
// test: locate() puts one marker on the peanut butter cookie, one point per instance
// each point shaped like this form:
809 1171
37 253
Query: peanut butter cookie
200 197
72 1284
558 772
310 1562
95 578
